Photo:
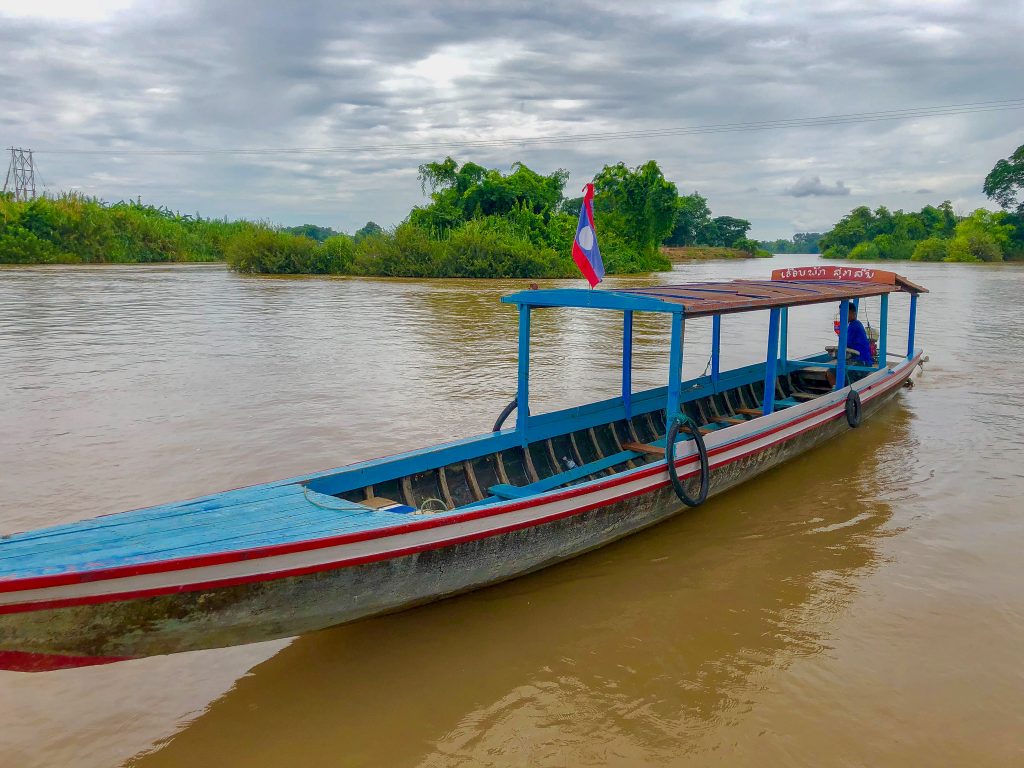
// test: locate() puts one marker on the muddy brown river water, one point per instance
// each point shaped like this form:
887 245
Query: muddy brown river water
861 605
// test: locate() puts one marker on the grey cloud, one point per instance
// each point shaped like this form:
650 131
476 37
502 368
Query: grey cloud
260 74
812 186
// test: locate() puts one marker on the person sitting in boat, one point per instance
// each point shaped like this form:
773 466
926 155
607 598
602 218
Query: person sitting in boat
857 339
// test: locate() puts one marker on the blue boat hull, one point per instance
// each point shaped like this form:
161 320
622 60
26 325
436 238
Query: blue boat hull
430 563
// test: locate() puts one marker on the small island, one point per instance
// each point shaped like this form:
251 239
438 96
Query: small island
479 222
935 233
484 223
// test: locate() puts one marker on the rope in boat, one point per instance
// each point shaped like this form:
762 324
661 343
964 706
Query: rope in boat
428 506
321 505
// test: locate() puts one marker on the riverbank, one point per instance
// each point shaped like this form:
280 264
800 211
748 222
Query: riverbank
709 253
75 230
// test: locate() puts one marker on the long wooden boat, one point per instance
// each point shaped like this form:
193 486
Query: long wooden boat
293 556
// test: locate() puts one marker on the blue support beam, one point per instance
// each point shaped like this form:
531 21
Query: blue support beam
585 297
844 334
883 331
784 340
913 325
523 392
716 350
627 362
675 367
771 362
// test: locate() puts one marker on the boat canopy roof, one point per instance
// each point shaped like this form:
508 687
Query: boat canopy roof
787 288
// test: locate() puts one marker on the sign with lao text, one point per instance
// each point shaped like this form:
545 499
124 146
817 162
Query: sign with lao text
846 274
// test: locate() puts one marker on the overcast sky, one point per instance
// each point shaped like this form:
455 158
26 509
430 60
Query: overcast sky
253 74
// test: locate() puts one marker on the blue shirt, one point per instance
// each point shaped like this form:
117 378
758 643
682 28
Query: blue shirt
857 340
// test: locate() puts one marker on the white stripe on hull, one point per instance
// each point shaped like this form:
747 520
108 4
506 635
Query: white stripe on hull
337 556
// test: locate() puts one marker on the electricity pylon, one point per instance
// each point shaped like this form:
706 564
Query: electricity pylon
21 175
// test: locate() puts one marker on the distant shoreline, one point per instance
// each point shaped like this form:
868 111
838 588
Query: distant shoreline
706 253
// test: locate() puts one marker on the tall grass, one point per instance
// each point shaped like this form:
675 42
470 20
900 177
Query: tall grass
522 243
75 229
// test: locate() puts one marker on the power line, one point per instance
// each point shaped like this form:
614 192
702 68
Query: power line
1001 105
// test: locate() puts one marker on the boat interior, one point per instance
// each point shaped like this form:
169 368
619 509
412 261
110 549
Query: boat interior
564 448
567 447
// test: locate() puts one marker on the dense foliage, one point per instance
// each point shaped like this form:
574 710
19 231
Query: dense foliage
479 222
801 242
931 234
312 231
73 229
936 233
694 225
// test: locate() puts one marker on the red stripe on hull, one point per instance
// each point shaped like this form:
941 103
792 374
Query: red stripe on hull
689 466
22 661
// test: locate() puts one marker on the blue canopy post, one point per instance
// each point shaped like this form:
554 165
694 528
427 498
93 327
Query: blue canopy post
675 368
844 332
883 330
784 340
716 350
523 392
913 325
771 362
627 362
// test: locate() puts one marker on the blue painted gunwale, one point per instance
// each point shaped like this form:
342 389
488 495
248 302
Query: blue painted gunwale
279 512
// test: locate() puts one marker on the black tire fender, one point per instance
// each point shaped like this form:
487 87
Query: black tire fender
853 409
505 413
678 422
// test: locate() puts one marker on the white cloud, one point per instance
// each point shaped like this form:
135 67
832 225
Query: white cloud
64 10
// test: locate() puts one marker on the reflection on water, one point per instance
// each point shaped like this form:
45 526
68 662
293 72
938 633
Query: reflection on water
631 651
844 610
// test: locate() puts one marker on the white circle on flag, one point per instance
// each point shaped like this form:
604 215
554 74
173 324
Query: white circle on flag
586 238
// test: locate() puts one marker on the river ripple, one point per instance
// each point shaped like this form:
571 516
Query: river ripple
861 605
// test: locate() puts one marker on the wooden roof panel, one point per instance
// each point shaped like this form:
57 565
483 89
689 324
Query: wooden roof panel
748 295
787 288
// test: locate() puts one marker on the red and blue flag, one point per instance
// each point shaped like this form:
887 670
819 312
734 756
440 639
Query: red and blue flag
585 252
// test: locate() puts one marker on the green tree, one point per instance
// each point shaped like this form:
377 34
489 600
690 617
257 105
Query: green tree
727 230
960 250
639 204
312 231
692 218
984 229
932 249
850 230
369 228
867 251
461 194
801 242
1006 181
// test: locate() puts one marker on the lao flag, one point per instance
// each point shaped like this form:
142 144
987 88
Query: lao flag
585 252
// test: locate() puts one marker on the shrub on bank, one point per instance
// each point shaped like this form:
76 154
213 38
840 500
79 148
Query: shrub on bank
263 250
74 229
867 251
932 249
973 247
